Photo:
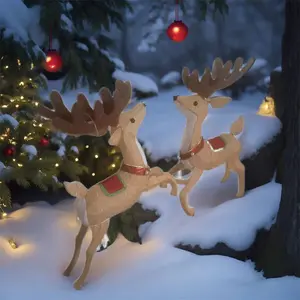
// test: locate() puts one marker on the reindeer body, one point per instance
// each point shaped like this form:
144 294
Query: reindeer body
96 205
197 154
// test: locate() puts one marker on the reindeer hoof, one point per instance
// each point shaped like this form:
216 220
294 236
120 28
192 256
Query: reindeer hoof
190 212
239 195
67 272
174 192
77 285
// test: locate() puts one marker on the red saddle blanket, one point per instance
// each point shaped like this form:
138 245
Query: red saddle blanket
112 185
216 143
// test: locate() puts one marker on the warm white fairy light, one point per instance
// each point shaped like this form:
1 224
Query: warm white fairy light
12 243
113 165
87 146
96 155
93 174
22 97
56 165
76 159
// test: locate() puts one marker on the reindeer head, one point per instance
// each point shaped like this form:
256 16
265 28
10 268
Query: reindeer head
129 123
221 76
107 114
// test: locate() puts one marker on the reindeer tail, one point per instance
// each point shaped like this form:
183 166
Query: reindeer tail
237 126
76 189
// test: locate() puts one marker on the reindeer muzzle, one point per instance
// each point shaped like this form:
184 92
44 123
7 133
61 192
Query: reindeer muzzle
175 98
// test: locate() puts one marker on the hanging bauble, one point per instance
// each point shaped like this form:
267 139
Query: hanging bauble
44 142
53 61
9 150
177 31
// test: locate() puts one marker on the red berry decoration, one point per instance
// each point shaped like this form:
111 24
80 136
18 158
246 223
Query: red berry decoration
9 150
177 31
53 62
44 142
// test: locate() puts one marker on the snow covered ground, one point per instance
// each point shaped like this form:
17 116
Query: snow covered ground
156 269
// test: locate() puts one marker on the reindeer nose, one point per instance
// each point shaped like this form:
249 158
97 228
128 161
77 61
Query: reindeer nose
144 104
175 98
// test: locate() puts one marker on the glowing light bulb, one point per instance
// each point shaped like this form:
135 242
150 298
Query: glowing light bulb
93 174
96 156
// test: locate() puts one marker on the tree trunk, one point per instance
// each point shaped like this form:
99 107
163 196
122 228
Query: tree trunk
279 254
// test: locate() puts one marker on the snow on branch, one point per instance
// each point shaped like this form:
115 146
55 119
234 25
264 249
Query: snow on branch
10 119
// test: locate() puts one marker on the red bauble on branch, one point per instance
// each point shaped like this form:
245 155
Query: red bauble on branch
44 142
9 150
53 62
177 31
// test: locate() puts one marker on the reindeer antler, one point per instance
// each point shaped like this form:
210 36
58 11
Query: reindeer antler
83 119
222 76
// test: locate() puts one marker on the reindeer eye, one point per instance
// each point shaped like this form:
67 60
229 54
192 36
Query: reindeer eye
132 120
195 103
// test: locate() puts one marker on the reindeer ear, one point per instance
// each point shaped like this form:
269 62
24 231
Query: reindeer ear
218 102
115 137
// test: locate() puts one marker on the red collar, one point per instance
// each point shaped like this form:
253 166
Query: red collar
135 170
197 148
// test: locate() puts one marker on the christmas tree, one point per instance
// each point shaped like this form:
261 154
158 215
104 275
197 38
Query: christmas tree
77 30
29 152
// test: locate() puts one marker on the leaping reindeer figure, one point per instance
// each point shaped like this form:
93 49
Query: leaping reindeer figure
120 191
197 154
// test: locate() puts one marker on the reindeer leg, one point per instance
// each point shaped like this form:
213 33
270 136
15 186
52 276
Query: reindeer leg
239 168
165 178
158 171
227 173
97 236
178 167
196 174
78 242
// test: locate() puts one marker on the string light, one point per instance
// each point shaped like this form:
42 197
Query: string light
17 105
76 159
12 243
56 165
6 67
22 97
36 104
22 83
113 165
93 174
96 155
20 165
87 146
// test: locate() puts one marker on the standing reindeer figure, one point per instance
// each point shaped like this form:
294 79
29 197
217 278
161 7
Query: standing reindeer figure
117 193
197 154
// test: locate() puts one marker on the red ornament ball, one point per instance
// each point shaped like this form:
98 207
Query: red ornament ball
177 31
44 142
9 150
53 62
